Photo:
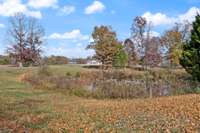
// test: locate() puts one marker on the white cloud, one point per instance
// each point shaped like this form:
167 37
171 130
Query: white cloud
68 9
95 7
158 18
42 3
74 52
79 44
2 26
73 35
36 14
189 15
11 7
162 19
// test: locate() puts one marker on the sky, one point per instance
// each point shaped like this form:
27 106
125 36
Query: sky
68 24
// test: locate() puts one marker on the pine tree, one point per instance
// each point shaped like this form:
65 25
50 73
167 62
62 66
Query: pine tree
190 59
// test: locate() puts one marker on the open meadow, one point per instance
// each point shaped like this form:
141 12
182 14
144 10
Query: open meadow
99 66
26 109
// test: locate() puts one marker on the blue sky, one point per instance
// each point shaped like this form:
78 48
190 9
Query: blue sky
69 23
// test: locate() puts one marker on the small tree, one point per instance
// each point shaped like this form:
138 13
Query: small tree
121 58
105 44
138 30
130 50
152 56
17 40
190 59
35 39
173 41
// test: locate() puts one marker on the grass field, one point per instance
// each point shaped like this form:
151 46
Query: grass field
25 109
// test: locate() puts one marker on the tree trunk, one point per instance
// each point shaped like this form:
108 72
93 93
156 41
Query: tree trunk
150 93
20 64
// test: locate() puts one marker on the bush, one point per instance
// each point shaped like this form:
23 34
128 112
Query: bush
80 92
188 91
44 71
5 60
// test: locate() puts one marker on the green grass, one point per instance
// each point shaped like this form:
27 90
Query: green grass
23 108
63 69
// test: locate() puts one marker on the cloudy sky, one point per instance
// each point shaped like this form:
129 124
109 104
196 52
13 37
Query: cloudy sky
69 23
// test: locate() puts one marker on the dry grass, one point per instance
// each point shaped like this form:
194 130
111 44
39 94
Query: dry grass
25 109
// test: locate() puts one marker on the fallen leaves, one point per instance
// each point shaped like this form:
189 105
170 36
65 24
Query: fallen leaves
180 113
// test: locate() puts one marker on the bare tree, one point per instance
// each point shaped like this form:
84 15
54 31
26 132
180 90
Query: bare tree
35 40
153 56
25 38
138 30
17 40
147 48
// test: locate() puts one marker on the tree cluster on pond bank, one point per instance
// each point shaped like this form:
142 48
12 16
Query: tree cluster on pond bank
178 46
142 47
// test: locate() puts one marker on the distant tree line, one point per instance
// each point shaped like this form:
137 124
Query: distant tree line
179 45
55 60
142 47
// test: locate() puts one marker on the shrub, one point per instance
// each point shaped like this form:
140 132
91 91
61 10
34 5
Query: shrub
188 91
5 60
80 92
44 71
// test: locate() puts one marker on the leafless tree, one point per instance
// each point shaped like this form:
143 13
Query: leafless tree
25 36
147 47
138 30
17 38
35 40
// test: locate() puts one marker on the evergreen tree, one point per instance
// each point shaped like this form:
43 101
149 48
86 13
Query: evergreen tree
190 59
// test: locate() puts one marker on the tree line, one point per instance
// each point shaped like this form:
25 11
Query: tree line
141 47
179 45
